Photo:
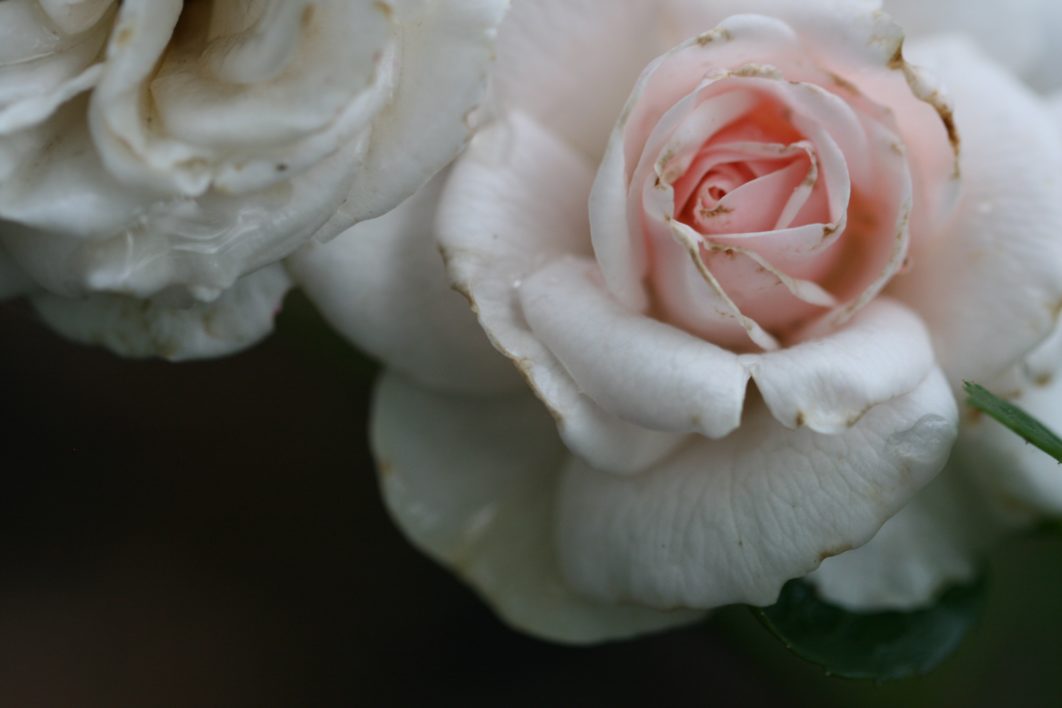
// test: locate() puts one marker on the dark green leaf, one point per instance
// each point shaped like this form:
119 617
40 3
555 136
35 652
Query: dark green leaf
1013 417
880 646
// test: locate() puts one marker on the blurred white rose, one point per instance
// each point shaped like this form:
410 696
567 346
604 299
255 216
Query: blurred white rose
158 158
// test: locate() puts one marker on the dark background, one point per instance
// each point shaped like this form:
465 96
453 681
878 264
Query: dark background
210 534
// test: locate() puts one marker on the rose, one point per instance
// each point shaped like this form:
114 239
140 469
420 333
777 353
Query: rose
777 201
159 159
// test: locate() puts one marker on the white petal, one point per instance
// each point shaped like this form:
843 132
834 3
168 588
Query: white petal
732 520
551 51
80 231
75 16
446 50
472 482
990 287
852 28
383 285
1017 34
1045 73
41 68
828 384
240 317
241 96
659 377
934 542
515 201
639 369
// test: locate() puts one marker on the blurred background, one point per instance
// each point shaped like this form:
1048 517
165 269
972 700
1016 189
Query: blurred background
210 534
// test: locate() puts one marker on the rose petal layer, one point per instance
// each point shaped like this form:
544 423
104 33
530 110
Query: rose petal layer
990 287
239 318
936 541
731 521
383 285
472 482
515 202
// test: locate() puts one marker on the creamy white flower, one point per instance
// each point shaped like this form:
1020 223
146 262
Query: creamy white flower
746 277
155 154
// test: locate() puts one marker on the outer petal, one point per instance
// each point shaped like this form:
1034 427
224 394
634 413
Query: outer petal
855 29
141 328
285 84
934 542
516 201
828 384
732 520
991 287
661 378
1019 34
429 117
80 231
1045 73
550 51
41 68
472 481
384 286
637 368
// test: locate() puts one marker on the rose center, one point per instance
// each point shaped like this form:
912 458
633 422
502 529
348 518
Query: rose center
752 209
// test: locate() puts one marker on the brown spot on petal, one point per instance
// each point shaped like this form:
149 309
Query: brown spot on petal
718 210
853 420
831 552
844 84
896 61
123 37
933 98
947 115
714 35
756 71
1056 310
384 468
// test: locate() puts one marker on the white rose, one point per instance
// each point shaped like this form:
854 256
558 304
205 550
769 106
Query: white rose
746 278
159 159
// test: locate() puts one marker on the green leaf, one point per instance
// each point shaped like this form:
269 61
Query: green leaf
1014 418
881 646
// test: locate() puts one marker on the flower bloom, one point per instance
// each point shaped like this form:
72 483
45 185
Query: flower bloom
159 159
744 254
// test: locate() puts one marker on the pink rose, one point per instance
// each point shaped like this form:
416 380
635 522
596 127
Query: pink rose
746 278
